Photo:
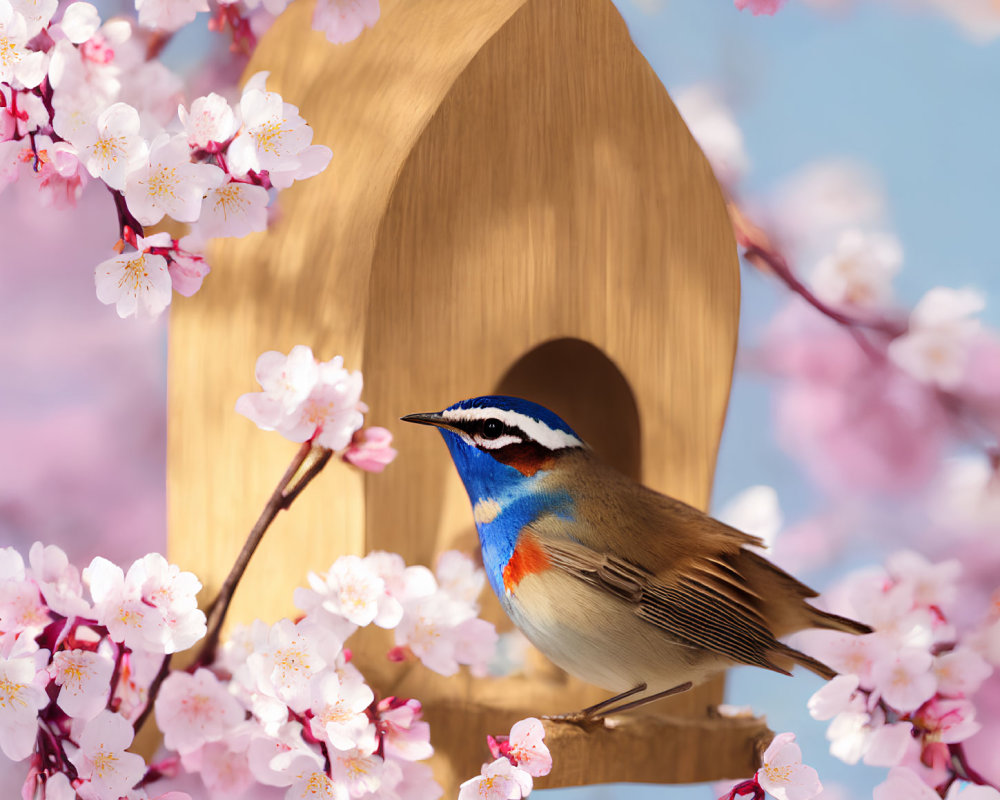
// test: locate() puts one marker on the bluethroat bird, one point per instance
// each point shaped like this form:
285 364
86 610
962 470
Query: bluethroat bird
620 585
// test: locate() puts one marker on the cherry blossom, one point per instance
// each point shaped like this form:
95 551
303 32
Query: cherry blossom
169 183
936 347
233 208
458 575
343 20
112 147
317 786
370 449
84 677
168 15
37 13
283 758
283 667
211 119
444 633
192 710
860 270
222 765
102 758
21 607
713 127
338 712
19 66
304 400
903 784
120 607
356 592
906 680
138 283
360 772
274 138
175 594
960 671
407 736
759 6
526 748
499 780
22 694
782 772
80 21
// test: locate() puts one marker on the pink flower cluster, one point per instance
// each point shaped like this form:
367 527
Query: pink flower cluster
76 667
80 99
285 705
518 758
782 774
904 695
308 400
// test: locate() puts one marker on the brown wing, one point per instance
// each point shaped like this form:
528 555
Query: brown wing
711 615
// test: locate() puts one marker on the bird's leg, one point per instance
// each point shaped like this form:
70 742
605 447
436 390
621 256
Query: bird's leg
599 711
644 700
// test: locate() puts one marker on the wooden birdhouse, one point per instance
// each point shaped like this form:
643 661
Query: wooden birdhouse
514 205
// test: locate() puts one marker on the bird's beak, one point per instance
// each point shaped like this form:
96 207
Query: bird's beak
434 419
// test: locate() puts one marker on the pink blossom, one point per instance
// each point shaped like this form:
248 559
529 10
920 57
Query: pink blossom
138 283
210 119
22 694
79 22
961 671
233 208
857 424
360 772
169 183
283 758
370 449
905 680
192 710
112 147
343 20
407 736
316 786
168 15
20 66
887 744
284 665
759 6
903 784
526 748
837 695
948 721
459 576
499 780
935 349
103 759
859 271
223 765
783 774
712 124
84 677
187 269
338 712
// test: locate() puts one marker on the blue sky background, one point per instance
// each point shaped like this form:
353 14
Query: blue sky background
912 97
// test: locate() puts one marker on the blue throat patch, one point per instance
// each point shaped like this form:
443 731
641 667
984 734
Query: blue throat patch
520 499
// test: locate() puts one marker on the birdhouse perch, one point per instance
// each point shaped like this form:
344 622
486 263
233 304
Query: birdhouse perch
514 205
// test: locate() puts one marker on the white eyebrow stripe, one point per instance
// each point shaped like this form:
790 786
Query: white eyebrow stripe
533 428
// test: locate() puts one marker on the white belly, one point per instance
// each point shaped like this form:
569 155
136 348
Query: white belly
599 638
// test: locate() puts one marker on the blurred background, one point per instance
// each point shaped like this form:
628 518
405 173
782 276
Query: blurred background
882 115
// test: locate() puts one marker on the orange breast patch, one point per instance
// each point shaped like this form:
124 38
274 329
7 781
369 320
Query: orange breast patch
528 558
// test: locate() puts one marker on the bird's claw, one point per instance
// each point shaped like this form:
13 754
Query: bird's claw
579 718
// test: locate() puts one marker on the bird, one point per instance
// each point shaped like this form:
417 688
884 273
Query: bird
624 587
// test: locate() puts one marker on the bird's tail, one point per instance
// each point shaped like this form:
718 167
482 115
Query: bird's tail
791 656
835 622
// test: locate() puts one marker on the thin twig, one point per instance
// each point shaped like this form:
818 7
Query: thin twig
278 501
154 690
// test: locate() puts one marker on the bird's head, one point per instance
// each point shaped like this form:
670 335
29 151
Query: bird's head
498 442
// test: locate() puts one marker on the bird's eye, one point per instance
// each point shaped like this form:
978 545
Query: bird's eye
492 429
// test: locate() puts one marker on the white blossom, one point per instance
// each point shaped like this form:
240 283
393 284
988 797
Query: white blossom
102 757
169 183
860 270
138 283
112 146
84 677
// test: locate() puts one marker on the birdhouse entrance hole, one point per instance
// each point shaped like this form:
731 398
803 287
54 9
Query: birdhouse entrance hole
583 386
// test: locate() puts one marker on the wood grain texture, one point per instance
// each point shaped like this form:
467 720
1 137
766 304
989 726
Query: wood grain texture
513 204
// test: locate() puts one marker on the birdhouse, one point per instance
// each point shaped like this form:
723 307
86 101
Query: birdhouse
513 206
